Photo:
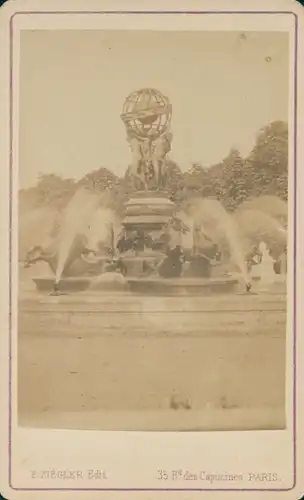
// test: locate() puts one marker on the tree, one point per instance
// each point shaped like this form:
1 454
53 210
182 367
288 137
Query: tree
52 189
100 180
198 180
268 161
230 180
107 183
174 180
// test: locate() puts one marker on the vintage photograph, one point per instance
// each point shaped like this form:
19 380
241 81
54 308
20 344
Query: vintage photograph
153 237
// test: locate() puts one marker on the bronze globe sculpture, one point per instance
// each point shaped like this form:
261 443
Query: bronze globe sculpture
147 118
147 113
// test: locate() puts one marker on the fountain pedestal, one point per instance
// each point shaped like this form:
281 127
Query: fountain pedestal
134 266
146 218
147 221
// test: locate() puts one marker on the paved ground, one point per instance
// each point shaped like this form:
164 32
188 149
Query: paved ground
156 363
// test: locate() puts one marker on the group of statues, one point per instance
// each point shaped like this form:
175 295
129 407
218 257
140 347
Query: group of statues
148 168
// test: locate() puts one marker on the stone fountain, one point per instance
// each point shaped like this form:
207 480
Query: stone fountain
144 253
150 215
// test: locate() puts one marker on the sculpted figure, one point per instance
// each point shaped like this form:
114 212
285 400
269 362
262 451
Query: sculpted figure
149 158
161 148
79 262
137 170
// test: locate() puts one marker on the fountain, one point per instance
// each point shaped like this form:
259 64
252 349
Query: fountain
266 238
264 270
153 261
70 255
155 247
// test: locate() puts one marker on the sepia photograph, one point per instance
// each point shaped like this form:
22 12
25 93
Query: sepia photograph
154 241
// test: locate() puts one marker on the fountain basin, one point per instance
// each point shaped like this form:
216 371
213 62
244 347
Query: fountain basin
106 281
152 285
180 286
149 285
66 284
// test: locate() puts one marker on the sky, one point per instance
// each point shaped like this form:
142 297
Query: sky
223 87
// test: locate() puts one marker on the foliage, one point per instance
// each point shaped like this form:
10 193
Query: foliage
174 181
199 180
52 189
99 180
104 181
233 181
268 161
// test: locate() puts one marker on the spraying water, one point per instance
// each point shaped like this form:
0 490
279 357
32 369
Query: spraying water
103 229
76 219
257 226
265 269
270 204
35 227
186 237
216 221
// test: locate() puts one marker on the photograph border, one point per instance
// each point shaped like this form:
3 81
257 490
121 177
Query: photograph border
294 194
